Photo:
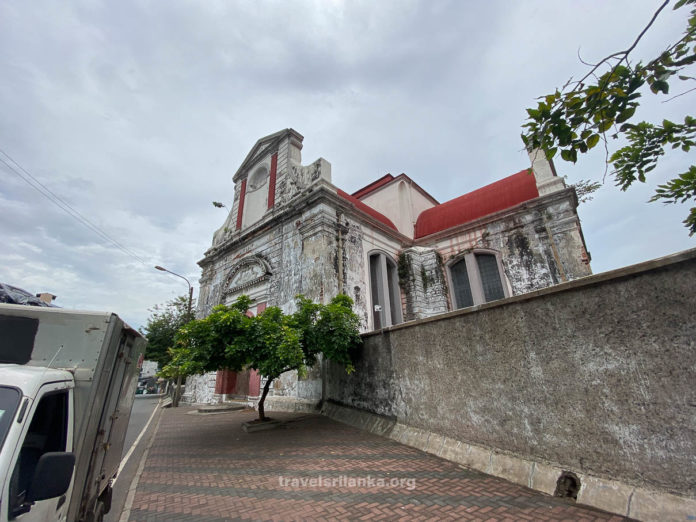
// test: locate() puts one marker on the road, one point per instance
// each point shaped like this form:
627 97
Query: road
140 414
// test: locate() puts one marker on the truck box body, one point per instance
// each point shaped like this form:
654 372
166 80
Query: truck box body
101 354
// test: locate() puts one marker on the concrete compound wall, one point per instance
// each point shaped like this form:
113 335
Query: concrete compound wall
596 376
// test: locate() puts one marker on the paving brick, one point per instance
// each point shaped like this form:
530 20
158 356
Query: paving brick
208 468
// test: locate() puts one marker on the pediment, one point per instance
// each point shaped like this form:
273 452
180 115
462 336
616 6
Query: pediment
263 147
247 273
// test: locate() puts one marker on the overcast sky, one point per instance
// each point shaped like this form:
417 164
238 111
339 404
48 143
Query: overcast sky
138 114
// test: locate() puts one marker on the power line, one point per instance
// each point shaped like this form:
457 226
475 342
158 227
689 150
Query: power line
42 189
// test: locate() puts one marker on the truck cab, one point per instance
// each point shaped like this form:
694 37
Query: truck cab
36 425
67 384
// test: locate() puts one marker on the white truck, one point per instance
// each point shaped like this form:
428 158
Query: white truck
67 384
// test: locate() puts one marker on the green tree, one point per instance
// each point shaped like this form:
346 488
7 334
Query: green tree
601 106
161 328
160 331
271 343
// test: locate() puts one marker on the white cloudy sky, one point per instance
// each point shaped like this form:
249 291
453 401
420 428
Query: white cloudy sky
138 113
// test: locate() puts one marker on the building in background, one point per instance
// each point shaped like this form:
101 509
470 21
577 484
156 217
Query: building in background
399 253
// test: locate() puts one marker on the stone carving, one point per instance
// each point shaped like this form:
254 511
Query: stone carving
298 178
247 273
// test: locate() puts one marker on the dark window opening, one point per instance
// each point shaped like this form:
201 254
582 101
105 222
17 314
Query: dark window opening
462 287
490 277
476 278
374 288
9 400
47 432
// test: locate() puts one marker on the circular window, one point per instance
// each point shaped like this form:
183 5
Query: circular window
258 178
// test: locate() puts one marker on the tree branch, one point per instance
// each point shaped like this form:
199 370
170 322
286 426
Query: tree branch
678 95
623 54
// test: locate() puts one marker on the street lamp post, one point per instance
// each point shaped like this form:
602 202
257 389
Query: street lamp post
177 392
190 298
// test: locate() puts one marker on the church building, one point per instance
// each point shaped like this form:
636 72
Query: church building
398 252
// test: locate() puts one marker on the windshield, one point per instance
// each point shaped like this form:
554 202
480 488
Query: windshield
9 400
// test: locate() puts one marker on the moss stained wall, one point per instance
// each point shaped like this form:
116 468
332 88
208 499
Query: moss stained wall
595 376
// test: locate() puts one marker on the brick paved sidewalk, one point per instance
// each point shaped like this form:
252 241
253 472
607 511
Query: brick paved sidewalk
206 468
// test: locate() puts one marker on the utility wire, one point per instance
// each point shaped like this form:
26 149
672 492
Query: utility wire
23 174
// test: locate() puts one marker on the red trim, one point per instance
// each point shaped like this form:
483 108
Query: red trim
272 180
492 198
254 383
367 209
240 209
372 186
260 307
225 382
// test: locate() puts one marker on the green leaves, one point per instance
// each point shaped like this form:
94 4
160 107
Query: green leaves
592 140
605 125
574 119
626 114
533 113
569 155
660 86
161 328
680 190
271 342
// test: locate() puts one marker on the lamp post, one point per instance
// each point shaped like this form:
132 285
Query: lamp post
177 393
190 298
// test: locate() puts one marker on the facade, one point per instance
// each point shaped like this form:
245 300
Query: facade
400 254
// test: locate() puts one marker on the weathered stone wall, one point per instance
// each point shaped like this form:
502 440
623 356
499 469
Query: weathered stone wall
311 247
423 283
540 243
596 376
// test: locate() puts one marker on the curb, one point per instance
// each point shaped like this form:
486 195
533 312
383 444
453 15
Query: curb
602 493
125 514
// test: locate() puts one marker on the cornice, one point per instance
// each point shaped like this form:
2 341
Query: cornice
320 192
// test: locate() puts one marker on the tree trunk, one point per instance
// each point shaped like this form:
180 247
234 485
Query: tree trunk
177 392
263 398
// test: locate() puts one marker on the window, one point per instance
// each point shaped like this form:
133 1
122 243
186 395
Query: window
384 288
475 279
47 432
9 400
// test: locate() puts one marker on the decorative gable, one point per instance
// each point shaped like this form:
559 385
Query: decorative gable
247 273
267 146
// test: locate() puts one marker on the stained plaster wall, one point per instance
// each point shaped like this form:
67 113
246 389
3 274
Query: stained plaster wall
313 245
522 238
297 241
300 251
321 248
423 283
539 243
595 376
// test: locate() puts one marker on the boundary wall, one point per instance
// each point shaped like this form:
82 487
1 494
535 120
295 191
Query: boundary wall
596 377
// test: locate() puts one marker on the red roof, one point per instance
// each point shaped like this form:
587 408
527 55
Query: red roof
367 209
373 186
492 198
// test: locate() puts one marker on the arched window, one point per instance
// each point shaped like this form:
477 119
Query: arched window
384 289
476 278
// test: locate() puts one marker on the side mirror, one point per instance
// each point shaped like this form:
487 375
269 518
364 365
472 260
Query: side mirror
52 476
